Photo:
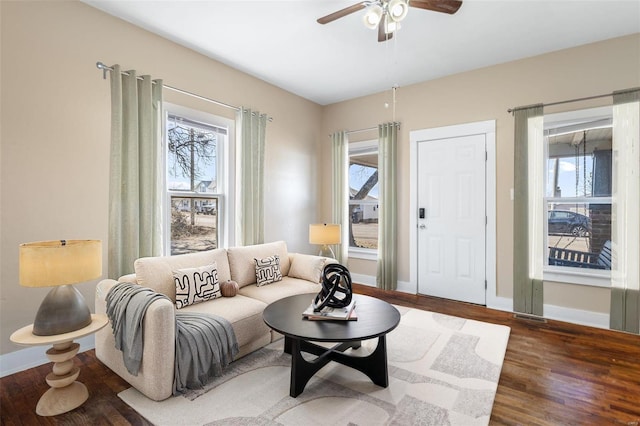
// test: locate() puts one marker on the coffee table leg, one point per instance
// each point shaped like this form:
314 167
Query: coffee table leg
301 370
376 369
287 344
373 365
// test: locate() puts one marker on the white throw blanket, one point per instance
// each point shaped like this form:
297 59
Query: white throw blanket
205 344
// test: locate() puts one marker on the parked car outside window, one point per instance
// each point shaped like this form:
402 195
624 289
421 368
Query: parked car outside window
567 222
209 209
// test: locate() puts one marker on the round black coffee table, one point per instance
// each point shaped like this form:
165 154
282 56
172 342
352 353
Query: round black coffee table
376 318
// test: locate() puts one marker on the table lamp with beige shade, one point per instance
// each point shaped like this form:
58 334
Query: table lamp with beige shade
60 264
63 315
325 234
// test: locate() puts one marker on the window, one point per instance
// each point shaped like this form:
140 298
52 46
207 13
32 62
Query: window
577 199
197 187
363 199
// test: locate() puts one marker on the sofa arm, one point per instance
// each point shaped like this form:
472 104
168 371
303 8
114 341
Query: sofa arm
102 289
129 278
155 378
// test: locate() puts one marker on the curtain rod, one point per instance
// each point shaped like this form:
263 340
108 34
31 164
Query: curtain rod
106 68
369 129
588 98
361 130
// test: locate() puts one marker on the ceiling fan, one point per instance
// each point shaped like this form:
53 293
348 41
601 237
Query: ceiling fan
386 14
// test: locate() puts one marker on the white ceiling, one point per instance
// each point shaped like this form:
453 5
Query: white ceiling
280 41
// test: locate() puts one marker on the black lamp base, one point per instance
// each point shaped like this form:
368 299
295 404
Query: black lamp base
63 310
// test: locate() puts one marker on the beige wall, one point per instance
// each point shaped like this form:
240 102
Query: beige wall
55 133
486 94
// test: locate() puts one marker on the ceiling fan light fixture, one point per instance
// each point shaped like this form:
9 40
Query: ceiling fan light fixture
390 26
372 16
397 9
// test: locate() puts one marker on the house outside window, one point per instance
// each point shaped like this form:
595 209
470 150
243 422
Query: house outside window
363 199
197 189
577 198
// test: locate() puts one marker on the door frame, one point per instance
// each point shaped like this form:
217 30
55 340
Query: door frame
488 129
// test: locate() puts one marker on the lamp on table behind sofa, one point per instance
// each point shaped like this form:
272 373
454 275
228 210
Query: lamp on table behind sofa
325 234
60 264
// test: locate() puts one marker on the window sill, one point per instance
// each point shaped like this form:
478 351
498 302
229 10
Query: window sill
366 254
594 278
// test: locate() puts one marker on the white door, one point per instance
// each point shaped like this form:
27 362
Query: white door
452 218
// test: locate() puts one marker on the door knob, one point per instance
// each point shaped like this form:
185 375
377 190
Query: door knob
422 226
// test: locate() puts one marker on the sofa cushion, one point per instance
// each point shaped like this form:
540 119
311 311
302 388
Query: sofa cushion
276 291
196 285
242 262
307 267
157 272
268 270
245 315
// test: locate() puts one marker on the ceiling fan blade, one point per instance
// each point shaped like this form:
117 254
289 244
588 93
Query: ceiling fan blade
444 6
382 35
342 13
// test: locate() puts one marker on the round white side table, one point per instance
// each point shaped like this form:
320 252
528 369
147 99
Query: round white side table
65 393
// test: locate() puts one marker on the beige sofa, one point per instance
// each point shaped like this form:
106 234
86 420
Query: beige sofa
300 274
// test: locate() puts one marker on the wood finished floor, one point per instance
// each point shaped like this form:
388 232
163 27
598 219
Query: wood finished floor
554 373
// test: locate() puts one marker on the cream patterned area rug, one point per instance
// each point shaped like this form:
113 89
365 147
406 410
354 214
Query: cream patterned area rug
443 370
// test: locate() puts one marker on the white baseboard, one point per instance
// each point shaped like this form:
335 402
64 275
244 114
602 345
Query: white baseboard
367 280
559 313
500 303
370 281
33 356
406 287
577 316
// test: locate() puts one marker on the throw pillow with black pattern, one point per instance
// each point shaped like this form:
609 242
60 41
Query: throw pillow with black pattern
268 270
195 285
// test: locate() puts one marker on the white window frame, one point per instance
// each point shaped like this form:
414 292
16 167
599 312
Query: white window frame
565 274
225 167
355 148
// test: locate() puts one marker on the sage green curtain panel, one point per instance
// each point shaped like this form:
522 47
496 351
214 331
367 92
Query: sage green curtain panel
340 191
528 225
625 222
251 126
135 181
387 267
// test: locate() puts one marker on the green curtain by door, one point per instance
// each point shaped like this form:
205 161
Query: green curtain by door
387 266
251 127
625 218
340 191
135 185
528 225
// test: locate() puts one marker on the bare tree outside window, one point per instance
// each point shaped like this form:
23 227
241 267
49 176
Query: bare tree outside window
192 150
192 153
363 200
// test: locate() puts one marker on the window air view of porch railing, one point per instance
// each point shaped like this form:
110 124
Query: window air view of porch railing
578 195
